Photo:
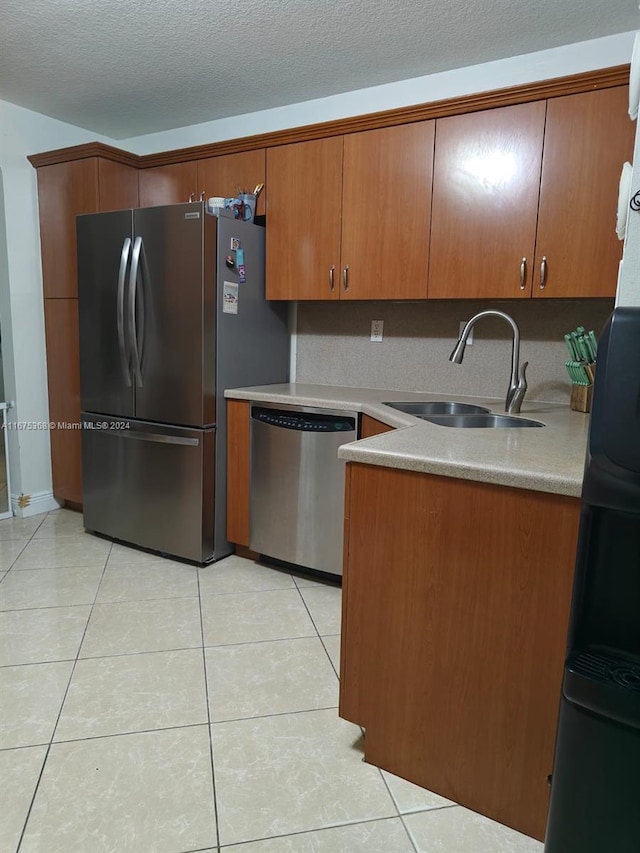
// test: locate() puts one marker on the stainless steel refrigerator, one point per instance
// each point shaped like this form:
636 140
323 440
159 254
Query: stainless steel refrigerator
169 318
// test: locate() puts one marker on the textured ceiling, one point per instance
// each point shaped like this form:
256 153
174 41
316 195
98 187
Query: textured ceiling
128 67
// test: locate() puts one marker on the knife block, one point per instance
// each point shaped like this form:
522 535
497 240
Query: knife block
581 398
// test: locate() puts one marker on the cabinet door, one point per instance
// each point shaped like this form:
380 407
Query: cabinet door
454 634
117 185
485 203
587 139
303 220
63 376
238 473
222 176
168 184
386 212
64 191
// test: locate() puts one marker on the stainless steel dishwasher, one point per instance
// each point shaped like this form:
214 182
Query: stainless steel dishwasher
297 484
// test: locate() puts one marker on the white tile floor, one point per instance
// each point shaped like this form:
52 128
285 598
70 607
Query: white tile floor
153 707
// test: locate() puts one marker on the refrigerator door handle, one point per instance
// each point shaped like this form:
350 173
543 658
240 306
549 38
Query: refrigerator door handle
158 437
133 291
122 272
141 296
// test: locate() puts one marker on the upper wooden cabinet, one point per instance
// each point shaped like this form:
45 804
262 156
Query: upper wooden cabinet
172 184
303 220
485 202
64 191
587 139
524 199
386 212
224 175
349 217
201 179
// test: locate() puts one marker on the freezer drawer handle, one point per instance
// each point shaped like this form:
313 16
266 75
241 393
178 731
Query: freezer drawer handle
151 436
122 272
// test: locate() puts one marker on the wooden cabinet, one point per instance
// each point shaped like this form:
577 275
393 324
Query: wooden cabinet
63 373
485 203
539 177
349 217
223 175
371 426
196 179
303 220
587 139
66 190
456 600
171 184
238 474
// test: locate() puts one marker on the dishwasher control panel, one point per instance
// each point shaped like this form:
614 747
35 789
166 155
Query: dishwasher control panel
303 421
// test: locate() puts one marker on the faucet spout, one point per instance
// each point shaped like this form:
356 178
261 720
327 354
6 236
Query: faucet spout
517 381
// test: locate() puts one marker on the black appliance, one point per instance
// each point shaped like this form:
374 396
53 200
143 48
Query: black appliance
595 789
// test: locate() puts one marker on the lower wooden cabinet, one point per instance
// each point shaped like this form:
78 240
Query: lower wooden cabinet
238 473
63 374
455 611
371 426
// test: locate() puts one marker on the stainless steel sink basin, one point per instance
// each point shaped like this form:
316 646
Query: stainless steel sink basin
486 421
439 407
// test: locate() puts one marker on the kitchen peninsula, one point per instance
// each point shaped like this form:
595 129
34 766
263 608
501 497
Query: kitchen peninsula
458 564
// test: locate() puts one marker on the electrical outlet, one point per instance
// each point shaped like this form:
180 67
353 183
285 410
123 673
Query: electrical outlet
463 323
377 328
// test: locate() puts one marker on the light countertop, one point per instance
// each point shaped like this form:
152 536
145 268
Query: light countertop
549 459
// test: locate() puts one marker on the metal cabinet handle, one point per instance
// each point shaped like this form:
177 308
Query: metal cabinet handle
192 197
345 278
543 273
202 195
331 283
523 273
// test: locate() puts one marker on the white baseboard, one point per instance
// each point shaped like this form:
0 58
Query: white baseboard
26 505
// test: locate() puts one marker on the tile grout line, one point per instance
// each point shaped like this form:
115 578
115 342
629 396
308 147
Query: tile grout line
316 627
209 724
151 651
173 728
318 829
337 672
310 617
30 538
53 732
413 843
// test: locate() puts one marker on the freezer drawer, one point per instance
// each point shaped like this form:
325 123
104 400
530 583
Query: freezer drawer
297 484
150 485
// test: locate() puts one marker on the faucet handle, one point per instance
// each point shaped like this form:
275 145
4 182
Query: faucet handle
519 391
522 378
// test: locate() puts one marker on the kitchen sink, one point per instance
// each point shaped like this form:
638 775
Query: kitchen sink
482 421
439 407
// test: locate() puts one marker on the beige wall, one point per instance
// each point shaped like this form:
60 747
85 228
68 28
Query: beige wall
333 346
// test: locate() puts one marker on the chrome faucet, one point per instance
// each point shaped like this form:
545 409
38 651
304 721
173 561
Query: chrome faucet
517 381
